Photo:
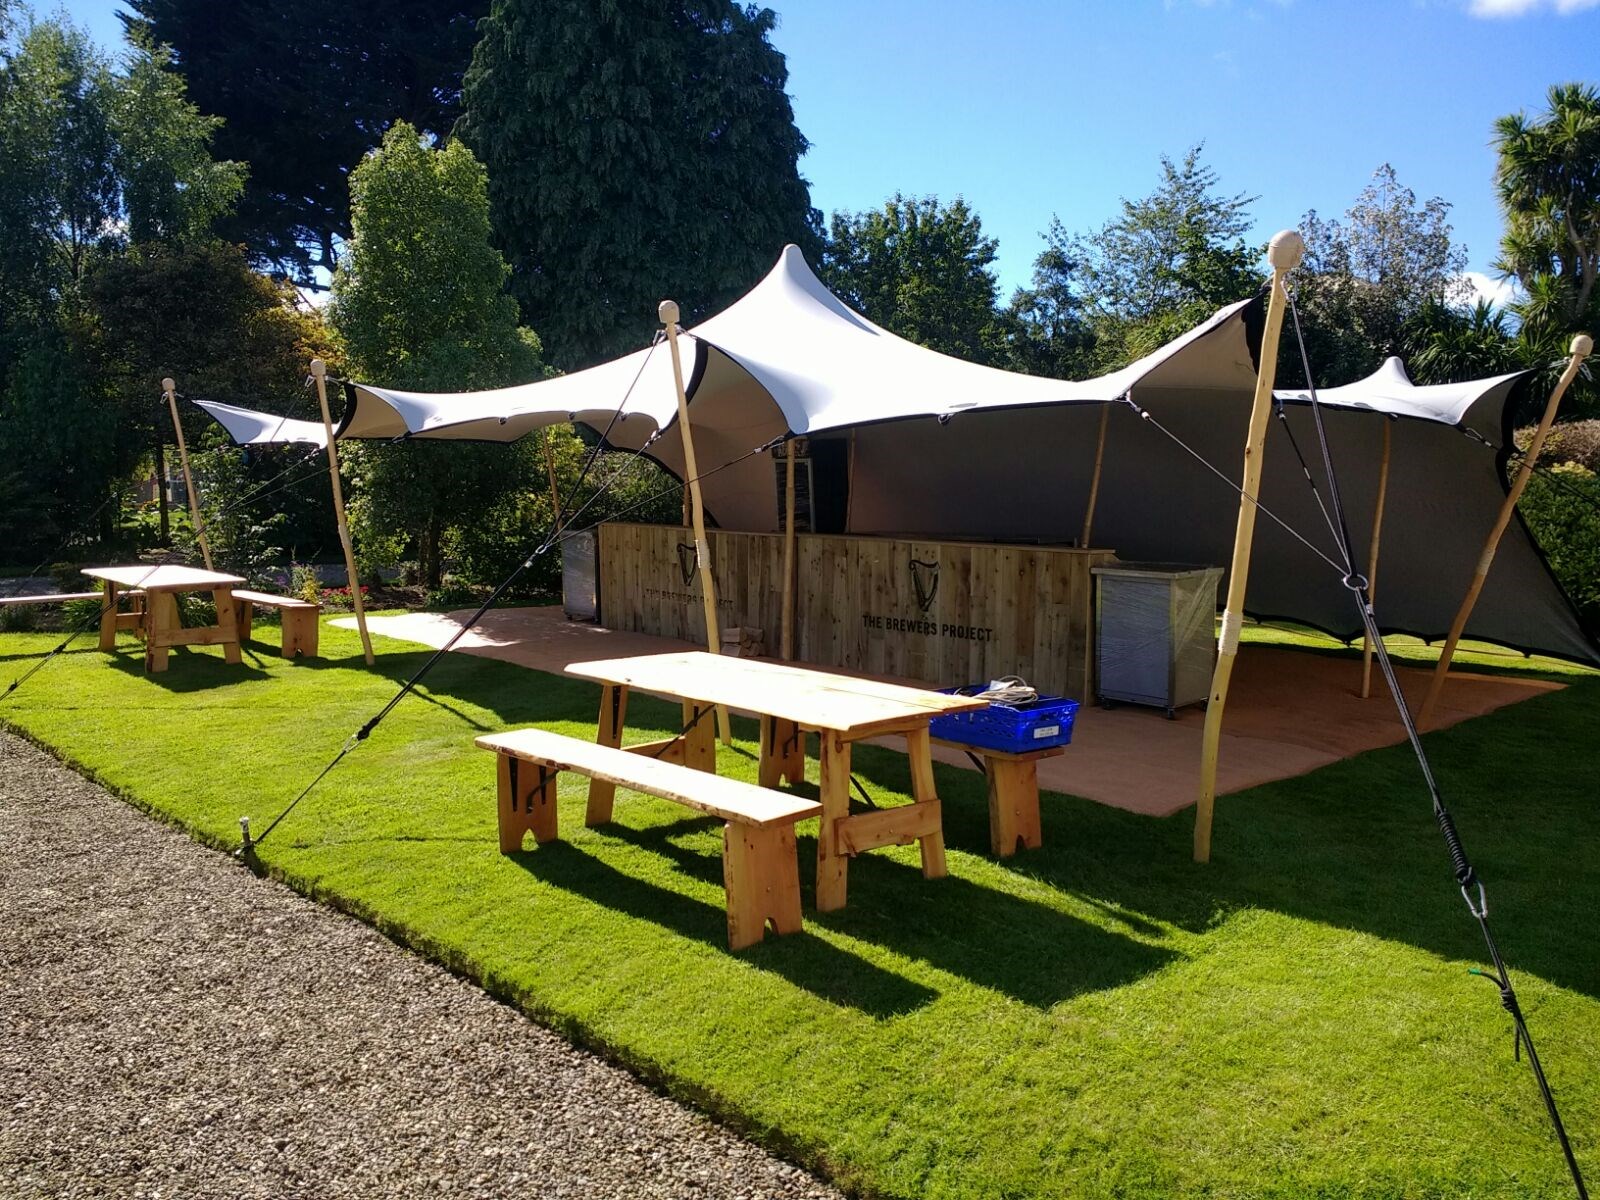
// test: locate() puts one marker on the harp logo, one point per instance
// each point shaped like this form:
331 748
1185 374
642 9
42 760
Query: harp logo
686 562
925 581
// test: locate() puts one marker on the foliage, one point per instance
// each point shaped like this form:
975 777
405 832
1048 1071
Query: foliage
304 583
1569 441
420 303
1562 508
1166 262
635 151
305 88
1367 279
1045 328
1450 344
1049 1025
920 269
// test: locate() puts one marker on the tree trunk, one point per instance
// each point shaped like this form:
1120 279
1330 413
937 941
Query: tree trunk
432 568
161 492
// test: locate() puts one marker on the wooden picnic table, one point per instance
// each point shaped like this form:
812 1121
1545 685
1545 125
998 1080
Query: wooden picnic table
791 701
158 620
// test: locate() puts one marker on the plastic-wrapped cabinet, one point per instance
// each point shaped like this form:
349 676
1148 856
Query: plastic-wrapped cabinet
1155 633
580 576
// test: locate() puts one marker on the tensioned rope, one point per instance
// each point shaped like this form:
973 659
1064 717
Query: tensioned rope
1472 887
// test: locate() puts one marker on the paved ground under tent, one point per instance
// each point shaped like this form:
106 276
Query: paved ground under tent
177 1027
1289 712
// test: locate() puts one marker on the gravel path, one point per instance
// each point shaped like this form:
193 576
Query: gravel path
171 1026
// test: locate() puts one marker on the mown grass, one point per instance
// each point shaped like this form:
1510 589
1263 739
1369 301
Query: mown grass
1097 1018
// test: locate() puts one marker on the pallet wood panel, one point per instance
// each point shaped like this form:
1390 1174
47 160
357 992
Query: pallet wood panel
942 613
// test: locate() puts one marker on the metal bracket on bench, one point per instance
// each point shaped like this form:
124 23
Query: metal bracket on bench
616 709
513 765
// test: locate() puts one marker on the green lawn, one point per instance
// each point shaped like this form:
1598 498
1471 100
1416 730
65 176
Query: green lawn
1097 1018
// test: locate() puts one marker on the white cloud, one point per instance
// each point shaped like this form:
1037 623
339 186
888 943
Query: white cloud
1506 9
1498 292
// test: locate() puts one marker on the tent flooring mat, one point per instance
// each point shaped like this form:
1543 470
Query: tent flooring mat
1289 711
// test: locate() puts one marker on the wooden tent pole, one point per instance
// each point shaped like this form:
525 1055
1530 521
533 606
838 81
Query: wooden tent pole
668 312
550 469
170 387
789 581
1094 479
1284 254
1372 557
1579 350
319 372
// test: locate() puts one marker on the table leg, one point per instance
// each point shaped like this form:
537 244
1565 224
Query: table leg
228 622
832 862
920 751
613 712
108 616
700 743
160 619
783 752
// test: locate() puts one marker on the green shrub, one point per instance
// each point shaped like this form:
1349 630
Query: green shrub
19 618
1562 508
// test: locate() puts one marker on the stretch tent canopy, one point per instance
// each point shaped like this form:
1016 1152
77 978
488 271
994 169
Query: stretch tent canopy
940 447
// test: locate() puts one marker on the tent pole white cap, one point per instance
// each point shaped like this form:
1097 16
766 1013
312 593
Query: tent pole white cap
1286 250
668 312
169 384
1582 345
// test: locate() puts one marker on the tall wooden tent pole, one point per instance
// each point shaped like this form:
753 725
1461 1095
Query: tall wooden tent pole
1579 350
1284 254
319 372
1372 554
1094 479
170 387
786 635
668 311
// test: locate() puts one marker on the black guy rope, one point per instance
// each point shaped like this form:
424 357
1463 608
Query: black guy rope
1472 887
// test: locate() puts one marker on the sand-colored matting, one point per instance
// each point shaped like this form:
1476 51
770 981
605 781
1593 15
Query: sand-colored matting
1289 711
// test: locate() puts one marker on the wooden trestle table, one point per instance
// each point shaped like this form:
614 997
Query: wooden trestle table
158 621
791 701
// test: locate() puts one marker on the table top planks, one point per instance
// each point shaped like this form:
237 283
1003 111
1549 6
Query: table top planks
163 578
812 699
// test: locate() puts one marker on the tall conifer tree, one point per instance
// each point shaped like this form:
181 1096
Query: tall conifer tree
635 151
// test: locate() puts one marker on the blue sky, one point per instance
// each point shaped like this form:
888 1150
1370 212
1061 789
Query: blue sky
1030 110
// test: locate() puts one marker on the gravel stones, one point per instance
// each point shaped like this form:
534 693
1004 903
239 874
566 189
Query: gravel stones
172 1026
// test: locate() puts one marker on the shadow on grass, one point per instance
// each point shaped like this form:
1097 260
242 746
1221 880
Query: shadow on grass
807 962
188 670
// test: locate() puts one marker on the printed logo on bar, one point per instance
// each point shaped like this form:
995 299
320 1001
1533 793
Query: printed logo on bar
925 579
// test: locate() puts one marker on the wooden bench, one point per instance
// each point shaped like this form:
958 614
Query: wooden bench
300 625
1013 794
59 598
760 864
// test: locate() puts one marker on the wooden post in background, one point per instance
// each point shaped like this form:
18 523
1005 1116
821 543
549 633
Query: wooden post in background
1579 350
786 635
1284 254
550 469
319 372
170 387
1372 554
668 312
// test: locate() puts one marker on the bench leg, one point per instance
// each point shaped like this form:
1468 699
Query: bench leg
160 619
700 743
613 713
761 868
108 616
783 752
300 627
527 794
919 749
1013 806
244 613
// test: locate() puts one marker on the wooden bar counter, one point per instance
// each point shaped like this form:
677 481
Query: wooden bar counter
940 612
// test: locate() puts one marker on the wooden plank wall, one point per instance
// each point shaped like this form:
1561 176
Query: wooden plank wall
940 612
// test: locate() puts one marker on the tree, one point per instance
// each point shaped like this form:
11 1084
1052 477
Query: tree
1365 280
1447 344
920 269
306 87
635 151
1166 262
1045 329
420 303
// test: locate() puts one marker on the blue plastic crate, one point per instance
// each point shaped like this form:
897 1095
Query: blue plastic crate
1015 728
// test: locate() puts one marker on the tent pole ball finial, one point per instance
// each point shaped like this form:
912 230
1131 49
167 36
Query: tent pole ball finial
1286 250
667 310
